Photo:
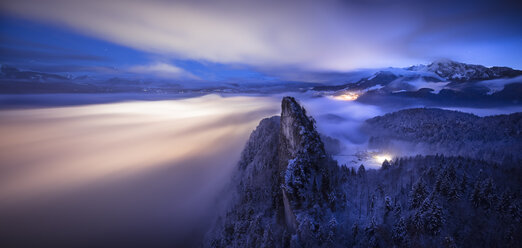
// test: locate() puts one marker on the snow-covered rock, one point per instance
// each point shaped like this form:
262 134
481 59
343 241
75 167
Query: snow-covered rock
461 72
284 178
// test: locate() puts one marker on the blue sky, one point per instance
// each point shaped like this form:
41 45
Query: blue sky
31 45
248 41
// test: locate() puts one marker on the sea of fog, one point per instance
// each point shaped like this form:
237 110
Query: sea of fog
107 170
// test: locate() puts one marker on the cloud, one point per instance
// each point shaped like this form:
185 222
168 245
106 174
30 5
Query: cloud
162 70
154 181
319 35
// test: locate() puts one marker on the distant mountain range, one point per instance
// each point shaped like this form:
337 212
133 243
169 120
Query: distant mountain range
460 72
443 81
438 71
16 81
8 72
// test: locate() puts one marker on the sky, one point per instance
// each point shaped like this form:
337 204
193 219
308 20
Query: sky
253 41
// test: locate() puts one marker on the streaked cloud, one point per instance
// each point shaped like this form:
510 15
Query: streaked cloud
312 35
162 70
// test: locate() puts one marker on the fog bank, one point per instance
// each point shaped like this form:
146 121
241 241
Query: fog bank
143 173
146 173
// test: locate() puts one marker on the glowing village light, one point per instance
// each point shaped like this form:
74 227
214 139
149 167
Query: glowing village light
347 96
381 157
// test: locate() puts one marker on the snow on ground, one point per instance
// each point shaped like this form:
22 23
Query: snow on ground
495 85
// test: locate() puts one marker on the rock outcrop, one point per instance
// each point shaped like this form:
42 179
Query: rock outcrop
283 174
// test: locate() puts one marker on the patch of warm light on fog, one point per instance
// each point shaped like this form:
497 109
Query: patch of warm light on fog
348 96
51 149
380 158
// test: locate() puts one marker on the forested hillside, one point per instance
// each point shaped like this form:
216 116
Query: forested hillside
432 131
290 193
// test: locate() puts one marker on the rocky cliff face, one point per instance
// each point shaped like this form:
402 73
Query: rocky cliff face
302 162
283 173
294 124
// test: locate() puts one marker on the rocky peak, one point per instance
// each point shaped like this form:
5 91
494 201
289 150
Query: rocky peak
304 167
284 178
297 133
300 149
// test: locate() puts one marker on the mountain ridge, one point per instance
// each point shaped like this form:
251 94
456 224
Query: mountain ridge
442 70
462 72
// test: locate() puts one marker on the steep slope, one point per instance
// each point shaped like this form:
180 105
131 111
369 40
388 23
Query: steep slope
307 171
284 180
256 204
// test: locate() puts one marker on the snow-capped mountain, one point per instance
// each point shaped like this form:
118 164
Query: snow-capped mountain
461 72
442 81
415 77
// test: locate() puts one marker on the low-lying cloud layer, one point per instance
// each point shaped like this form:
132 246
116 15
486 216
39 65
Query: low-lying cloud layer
103 175
142 172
